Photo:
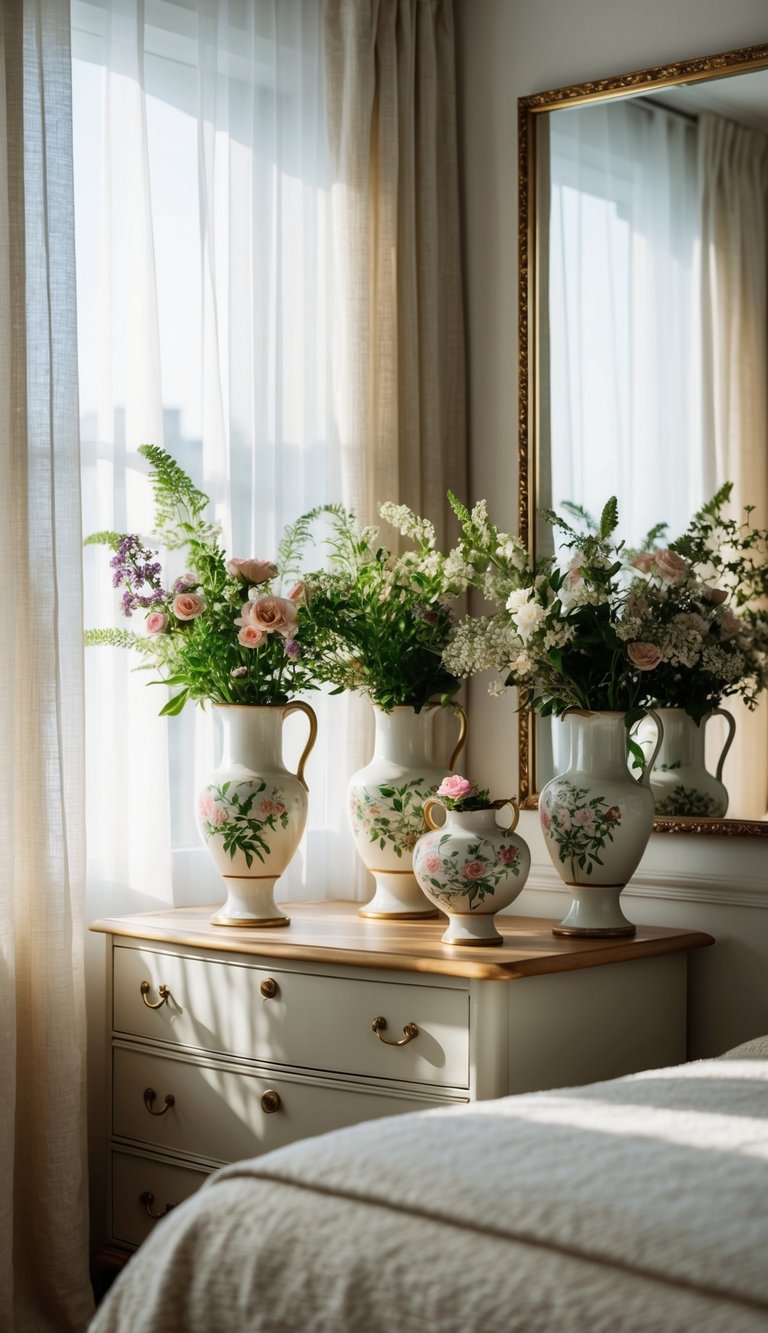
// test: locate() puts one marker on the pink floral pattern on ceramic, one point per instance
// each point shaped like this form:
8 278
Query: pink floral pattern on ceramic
578 825
239 813
468 873
390 815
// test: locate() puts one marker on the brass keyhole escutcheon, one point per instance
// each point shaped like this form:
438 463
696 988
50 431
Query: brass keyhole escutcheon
269 988
271 1102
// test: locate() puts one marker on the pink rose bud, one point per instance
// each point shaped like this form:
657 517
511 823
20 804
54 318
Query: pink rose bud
251 571
644 656
187 606
455 787
156 622
250 636
298 593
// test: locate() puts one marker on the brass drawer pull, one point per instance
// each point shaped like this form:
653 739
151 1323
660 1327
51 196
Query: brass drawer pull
269 988
271 1102
409 1032
162 991
149 1101
147 1199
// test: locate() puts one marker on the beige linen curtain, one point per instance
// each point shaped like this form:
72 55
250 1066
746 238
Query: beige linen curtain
399 378
733 199
43 1219
398 370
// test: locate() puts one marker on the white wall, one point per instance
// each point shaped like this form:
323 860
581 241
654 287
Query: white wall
508 49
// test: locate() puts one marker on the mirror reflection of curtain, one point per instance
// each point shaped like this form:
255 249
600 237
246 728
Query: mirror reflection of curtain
733 203
623 358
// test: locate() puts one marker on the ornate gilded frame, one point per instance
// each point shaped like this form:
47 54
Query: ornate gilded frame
529 109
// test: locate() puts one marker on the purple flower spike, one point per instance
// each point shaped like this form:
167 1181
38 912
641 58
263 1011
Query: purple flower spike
292 649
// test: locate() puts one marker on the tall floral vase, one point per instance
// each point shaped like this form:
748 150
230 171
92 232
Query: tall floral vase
680 781
385 802
252 811
596 819
471 867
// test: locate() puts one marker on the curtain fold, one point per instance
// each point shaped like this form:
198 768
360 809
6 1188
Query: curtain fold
43 1215
733 209
399 368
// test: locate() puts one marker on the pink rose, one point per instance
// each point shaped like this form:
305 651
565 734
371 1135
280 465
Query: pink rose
546 819
431 864
473 869
455 787
276 615
156 622
670 566
584 817
643 561
251 571
509 854
644 656
187 605
278 808
185 581
205 805
563 816
298 593
250 637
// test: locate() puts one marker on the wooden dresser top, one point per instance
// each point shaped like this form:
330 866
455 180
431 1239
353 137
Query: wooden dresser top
333 932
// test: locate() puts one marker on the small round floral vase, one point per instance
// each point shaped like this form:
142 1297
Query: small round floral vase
470 868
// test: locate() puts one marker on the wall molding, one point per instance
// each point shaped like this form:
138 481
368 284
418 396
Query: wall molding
684 886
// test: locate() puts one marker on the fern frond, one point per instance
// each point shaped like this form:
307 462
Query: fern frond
105 538
117 638
296 536
177 499
579 512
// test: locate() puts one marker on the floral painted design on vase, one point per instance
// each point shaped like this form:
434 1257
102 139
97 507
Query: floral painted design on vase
385 800
580 826
232 812
471 868
596 819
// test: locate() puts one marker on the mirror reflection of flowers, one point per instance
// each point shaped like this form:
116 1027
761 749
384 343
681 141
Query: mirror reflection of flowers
220 631
695 618
554 632
379 621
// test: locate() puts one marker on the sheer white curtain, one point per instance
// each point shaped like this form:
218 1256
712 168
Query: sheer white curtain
204 289
43 1211
733 203
623 354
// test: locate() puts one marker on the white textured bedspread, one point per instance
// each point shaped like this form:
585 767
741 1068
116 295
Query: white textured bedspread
638 1204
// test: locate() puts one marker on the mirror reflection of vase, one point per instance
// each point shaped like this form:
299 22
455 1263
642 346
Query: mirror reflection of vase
680 781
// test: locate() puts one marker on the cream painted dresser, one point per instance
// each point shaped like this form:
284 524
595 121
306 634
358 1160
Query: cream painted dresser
229 1042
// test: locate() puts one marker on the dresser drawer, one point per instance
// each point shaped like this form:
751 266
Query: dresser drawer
202 1108
144 1190
310 1022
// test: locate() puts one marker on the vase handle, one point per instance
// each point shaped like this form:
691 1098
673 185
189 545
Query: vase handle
499 805
731 720
462 736
427 809
645 779
298 707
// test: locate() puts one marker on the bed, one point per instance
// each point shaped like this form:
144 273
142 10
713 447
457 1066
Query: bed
636 1204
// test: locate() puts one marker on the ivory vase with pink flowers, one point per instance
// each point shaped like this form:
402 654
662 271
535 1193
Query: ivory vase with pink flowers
469 865
222 634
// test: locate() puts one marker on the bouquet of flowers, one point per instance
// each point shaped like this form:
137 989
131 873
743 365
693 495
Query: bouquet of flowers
556 632
598 627
695 613
379 621
220 631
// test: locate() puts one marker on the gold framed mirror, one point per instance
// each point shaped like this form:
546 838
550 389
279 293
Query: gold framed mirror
730 86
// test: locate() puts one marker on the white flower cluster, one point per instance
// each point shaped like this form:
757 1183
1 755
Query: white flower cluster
408 524
481 643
